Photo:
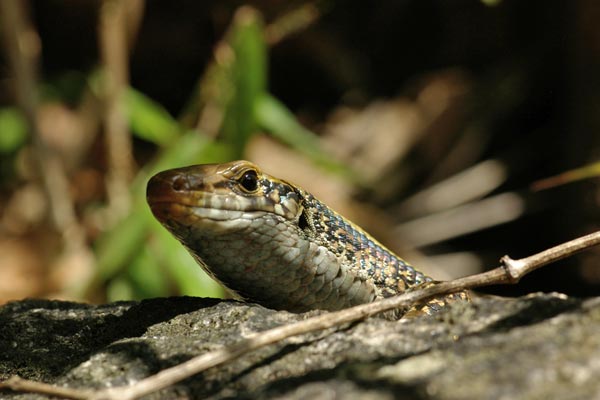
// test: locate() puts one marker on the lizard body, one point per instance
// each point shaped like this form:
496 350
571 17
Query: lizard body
273 243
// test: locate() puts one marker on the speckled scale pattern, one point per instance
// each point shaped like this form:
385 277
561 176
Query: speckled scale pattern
271 242
389 272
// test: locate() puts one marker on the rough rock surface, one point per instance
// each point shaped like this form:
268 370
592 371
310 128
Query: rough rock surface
536 347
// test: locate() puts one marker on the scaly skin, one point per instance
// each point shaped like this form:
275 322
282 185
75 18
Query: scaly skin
270 242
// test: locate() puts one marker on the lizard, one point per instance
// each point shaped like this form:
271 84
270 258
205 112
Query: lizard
271 242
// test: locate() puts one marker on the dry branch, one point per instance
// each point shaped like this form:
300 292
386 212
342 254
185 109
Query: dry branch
113 34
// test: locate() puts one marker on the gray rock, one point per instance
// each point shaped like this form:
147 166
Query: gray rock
536 347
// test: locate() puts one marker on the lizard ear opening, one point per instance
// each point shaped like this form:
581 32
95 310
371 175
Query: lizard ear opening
303 221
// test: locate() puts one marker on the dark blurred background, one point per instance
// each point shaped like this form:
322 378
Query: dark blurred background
454 131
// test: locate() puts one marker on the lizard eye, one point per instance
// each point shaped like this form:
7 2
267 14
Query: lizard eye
249 180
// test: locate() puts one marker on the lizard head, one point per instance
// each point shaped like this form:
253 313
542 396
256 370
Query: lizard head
219 195
264 238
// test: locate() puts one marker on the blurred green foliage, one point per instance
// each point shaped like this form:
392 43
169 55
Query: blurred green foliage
150 121
13 130
137 258
247 78
13 134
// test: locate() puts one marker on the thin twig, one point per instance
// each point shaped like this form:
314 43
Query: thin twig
24 385
113 45
292 22
511 271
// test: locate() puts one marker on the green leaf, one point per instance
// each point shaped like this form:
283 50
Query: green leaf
149 120
588 171
118 246
147 275
275 118
185 271
13 130
248 75
120 289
